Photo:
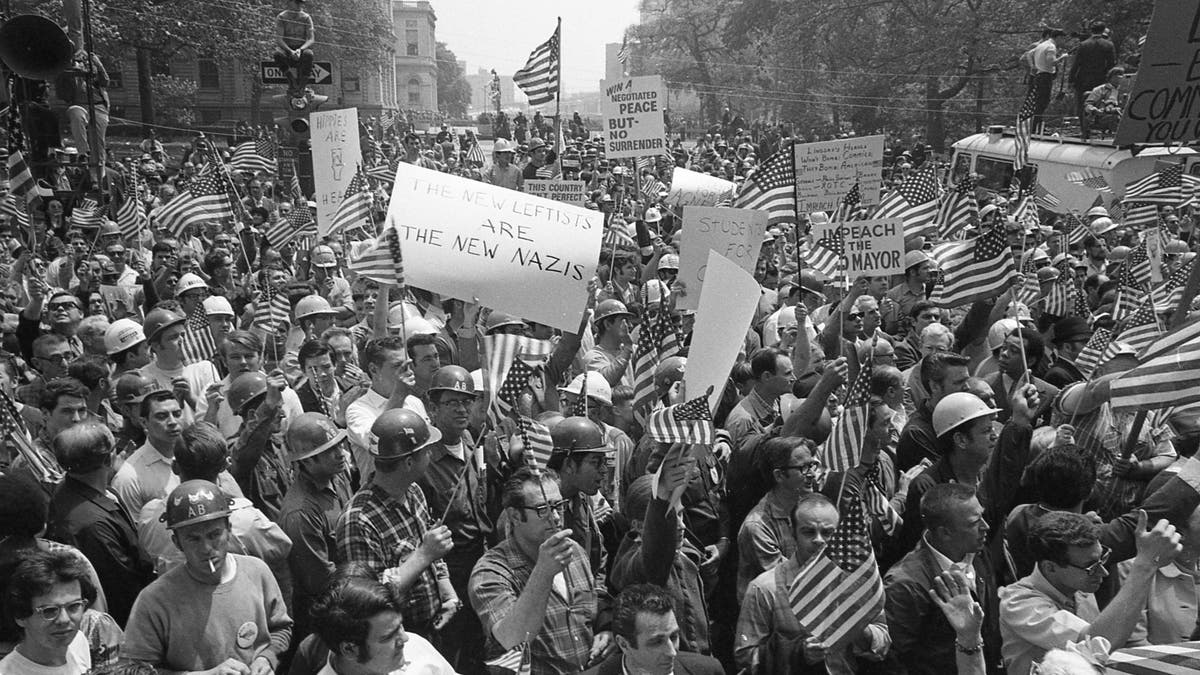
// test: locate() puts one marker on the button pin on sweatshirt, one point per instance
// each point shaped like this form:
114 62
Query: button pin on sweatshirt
246 635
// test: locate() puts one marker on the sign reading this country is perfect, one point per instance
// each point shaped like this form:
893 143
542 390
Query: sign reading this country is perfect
336 155
736 234
826 171
566 191
633 117
515 252
873 247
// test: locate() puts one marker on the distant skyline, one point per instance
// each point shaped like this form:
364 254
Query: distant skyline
501 35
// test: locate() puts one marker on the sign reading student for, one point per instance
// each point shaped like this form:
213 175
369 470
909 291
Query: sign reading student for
1161 105
873 247
515 252
826 171
336 156
565 191
692 188
633 117
737 234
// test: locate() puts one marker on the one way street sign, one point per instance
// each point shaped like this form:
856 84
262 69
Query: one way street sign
271 74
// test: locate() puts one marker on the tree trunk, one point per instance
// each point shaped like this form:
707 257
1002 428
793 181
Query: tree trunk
145 91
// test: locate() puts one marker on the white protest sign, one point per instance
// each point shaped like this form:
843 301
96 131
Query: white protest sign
727 305
633 117
517 253
873 247
826 171
691 188
737 234
1161 103
336 157
565 191
1154 246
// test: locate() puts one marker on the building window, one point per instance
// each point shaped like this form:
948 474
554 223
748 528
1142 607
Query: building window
410 37
208 73
410 23
351 83
414 92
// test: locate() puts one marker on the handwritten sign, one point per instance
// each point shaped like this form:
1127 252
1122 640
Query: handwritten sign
336 156
515 252
633 117
737 234
727 305
1161 104
565 191
873 247
826 171
692 188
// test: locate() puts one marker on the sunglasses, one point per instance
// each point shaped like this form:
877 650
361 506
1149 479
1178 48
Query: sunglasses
1094 568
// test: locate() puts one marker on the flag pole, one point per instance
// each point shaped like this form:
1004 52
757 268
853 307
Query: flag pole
558 95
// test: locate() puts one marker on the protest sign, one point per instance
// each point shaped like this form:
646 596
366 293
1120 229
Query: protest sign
336 157
515 252
873 247
565 191
1161 103
727 305
826 171
737 234
691 188
633 117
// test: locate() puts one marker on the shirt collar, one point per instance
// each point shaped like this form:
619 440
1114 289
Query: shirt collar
946 564
1040 583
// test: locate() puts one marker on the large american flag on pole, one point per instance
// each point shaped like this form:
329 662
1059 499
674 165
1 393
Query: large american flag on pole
382 260
842 449
975 269
355 209
257 156
20 177
206 198
827 253
915 202
1164 186
772 188
657 340
298 223
1169 370
1024 134
958 208
539 78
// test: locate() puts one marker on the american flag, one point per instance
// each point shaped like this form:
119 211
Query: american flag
1134 271
1141 328
959 207
257 156
272 310
1044 197
131 216
877 503
8 207
1028 293
1090 178
298 223
539 79
1171 291
1090 357
841 450
849 203
623 53
772 188
207 198
548 172
689 422
387 119
1117 211
616 237
514 385
383 260
1062 298
1164 186
536 441
1076 231
828 252
1137 216
1169 370
915 202
975 269
839 591
20 178
384 172
502 350
85 216
355 207
657 341
1024 133
475 154
197 343
17 437
651 186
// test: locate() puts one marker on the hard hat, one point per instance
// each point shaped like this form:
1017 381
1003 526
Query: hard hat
159 320
578 434
132 387
809 281
109 228
1018 311
452 378
1118 253
914 258
195 501
669 371
597 387
818 218
497 320
607 309
987 211
245 388
313 305
311 433
418 325
189 282
1096 212
1175 247
669 261
1102 225
503 145
323 256
217 305
1047 274
1039 254
400 432
999 332
402 311
536 143
958 408
652 215
123 334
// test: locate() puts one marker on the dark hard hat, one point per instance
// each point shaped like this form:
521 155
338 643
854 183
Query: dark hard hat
245 388
195 501
500 319
400 432
610 308
453 378
310 434
158 320
578 434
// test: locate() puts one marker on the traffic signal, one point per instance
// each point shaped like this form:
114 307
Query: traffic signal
296 128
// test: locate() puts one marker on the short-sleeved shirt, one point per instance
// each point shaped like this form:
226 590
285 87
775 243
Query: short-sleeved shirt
79 661
565 639
361 415
1035 618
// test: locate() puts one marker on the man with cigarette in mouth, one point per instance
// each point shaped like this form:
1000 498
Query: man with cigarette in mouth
219 613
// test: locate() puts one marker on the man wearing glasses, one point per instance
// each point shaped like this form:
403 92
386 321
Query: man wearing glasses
48 595
1055 604
62 314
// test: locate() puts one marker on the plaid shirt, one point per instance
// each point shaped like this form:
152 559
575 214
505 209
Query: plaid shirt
383 532
563 643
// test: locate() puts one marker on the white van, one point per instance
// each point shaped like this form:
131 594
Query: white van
990 155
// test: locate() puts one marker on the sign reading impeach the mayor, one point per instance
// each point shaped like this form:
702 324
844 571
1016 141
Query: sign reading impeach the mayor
515 252
633 117
873 247
826 171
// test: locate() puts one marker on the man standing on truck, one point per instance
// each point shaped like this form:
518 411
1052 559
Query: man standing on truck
1095 56
1043 61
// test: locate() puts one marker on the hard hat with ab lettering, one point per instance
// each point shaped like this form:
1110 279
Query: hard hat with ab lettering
195 501
454 379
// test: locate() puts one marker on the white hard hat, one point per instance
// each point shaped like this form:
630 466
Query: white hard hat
189 282
1096 211
503 145
401 313
217 305
418 325
121 335
958 408
1103 225
313 305
597 387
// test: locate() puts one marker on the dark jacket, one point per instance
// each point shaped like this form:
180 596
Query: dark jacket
1062 373
1093 58
685 664
1046 391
